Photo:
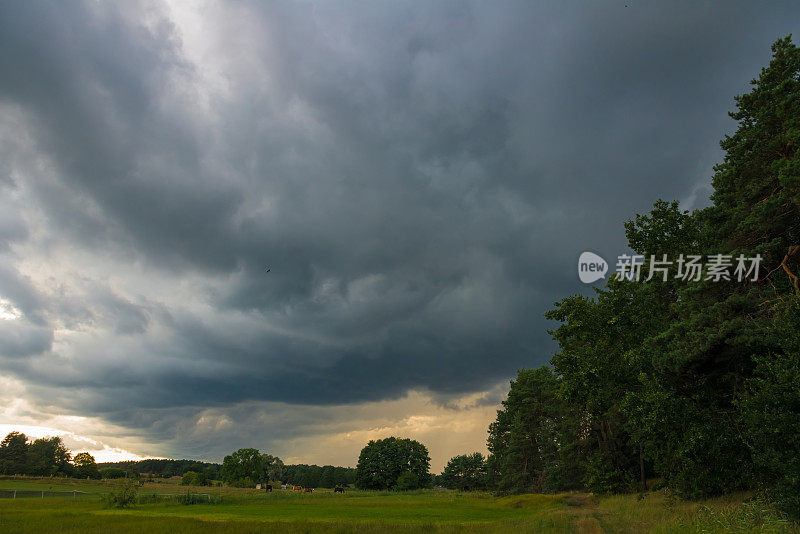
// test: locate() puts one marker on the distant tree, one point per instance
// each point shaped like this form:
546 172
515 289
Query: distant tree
243 467
113 472
465 472
85 466
210 473
48 456
272 466
327 478
314 476
247 467
191 478
13 453
344 476
381 463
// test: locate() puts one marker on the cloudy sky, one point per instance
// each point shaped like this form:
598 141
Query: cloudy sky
419 178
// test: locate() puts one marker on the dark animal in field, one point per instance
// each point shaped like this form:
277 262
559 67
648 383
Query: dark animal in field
268 487
308 490
338 489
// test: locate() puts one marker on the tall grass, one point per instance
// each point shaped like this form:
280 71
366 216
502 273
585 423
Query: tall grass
233 510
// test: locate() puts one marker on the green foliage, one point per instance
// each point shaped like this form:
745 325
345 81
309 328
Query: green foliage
381 463
408 480
166 468
706 355
48 457
113 472
85 466
315 476
465 472
771 414
693 382
524 440
242 464
124 495
13 454
248 467
190 478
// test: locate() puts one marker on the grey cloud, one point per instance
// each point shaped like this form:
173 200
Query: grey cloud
18 288
419 179
23 340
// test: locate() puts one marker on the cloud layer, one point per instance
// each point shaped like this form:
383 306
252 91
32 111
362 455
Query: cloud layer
418 179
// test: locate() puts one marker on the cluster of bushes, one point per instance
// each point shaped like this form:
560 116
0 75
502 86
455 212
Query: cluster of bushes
43 457
123 496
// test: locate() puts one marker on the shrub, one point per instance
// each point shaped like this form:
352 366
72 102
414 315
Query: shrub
191 478
124 495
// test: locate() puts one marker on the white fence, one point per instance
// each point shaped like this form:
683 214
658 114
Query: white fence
27 494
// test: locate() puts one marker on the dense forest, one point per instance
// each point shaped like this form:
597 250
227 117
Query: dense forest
694 383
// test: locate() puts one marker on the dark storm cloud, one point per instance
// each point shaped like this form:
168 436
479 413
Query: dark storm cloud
19 341
420 180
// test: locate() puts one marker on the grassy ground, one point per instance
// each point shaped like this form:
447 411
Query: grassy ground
244 511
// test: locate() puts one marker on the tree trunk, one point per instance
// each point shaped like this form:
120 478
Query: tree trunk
641 467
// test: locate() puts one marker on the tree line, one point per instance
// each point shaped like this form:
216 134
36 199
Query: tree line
315 476
244 468
43 457
160 468
696 384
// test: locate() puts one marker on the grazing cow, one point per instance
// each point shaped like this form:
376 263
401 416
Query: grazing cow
268 488
297 488
338 489
309 490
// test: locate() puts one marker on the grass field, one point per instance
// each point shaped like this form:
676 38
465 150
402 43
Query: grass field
429 511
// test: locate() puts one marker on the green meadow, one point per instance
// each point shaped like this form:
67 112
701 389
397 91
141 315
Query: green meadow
243 511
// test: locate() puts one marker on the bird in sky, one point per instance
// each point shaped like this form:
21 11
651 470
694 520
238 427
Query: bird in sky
268 269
